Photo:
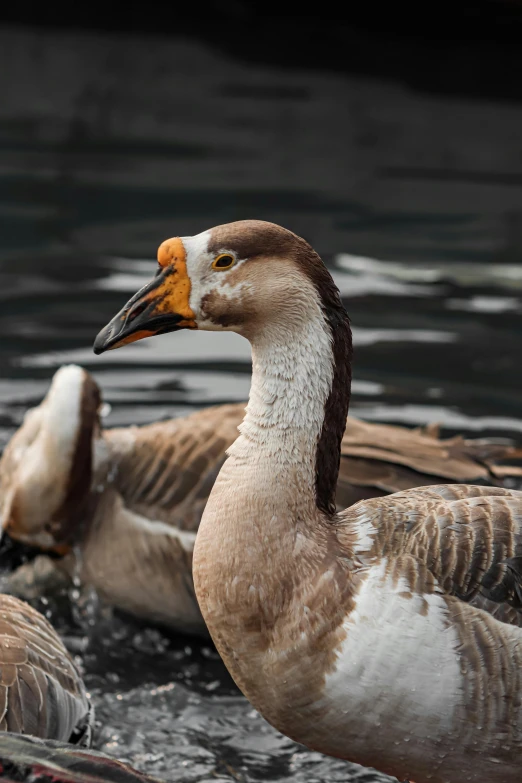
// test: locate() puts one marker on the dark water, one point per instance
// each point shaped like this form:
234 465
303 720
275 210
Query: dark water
110 145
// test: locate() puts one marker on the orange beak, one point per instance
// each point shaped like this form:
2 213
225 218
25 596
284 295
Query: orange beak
161 306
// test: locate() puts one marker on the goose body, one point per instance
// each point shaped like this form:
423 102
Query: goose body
120 505
388 634
123 505
41 691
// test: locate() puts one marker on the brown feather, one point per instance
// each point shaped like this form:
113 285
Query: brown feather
469 538
41 691
171 466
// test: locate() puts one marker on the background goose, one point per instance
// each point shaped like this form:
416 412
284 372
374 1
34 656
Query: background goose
388 633
129 500
41 691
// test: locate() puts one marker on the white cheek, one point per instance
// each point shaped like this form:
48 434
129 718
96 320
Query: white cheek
199 262
196 247
205 280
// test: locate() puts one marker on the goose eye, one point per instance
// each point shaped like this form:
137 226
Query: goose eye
223 261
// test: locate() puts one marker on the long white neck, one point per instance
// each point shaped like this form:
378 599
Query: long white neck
293 371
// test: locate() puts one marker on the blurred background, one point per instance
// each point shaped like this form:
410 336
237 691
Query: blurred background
391 140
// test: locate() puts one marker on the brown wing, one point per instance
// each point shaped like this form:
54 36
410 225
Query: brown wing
465 539
377 459
165 471
41 692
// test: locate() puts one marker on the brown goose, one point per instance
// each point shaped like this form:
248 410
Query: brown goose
110 494
41 691
388 634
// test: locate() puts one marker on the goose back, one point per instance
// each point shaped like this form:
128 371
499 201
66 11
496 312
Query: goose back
166 470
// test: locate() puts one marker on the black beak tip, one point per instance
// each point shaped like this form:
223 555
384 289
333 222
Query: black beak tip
102 341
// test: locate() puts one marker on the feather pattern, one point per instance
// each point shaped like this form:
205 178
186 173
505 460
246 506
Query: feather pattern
468 538
165 471
41 691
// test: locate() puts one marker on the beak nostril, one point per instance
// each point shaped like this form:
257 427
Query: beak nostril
137 310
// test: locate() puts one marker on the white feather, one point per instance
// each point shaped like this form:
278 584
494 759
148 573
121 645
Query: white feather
398 667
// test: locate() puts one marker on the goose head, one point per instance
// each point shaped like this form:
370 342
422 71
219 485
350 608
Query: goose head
268 285
46 468
245 277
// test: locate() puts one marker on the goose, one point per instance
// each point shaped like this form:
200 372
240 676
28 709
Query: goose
41 691
120 506
387 634
115 505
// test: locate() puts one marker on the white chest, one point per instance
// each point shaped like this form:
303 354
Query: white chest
397 684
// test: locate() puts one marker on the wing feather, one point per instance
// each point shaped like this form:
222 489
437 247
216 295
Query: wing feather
41 692
468 538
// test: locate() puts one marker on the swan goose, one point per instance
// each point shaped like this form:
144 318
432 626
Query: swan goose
388 634
119 505
41 691
122 505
